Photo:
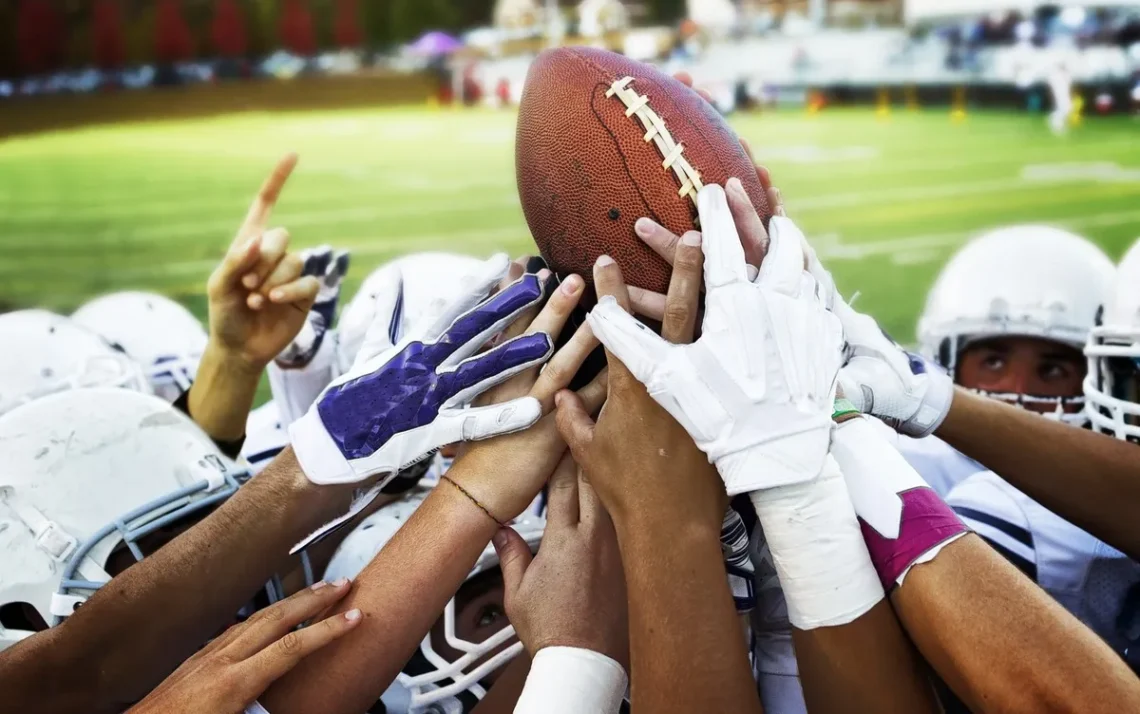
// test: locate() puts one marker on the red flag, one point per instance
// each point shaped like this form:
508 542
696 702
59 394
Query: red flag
39 36
346 26
108 47
228 29
297 28
172 39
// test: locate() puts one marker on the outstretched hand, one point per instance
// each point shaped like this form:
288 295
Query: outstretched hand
572 594
231 672
258 299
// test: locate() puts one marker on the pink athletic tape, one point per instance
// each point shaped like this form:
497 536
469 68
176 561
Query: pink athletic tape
926 522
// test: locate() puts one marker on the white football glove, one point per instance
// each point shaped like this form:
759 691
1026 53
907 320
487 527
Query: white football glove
880 378
755 391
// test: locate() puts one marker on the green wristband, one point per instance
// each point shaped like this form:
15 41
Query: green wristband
842 408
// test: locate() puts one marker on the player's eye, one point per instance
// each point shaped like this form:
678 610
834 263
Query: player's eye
490 615
1053 371
993 362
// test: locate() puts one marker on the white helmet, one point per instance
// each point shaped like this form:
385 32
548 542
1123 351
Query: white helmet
430 282
87 473
431 682
155 331
1112 385
46 353
1025 281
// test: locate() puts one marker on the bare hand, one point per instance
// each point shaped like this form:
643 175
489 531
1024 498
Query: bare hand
258 299
228 674
507 472
642 462
572 593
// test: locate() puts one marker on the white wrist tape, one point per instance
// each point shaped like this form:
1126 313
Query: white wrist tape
818 549
572 680
256 708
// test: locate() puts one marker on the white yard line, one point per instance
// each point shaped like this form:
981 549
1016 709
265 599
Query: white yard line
838 249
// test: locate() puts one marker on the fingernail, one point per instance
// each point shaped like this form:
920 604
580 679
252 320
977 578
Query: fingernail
643 227
352 615
340 582
734 185
558 399
571 285
691 238
318 585
256 301
250 280
543 275
276 295
500 538
604 260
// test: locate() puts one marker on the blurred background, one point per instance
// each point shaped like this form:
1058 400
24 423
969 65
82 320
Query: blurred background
134 133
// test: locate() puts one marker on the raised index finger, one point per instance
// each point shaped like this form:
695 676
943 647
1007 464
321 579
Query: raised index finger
266 198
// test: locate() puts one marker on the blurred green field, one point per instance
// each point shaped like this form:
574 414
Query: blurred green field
153 205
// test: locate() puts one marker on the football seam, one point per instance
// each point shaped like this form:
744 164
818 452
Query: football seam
606 75
624 161
607 81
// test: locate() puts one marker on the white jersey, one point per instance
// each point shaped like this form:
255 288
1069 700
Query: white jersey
1097 583
295 390
265 436
942 466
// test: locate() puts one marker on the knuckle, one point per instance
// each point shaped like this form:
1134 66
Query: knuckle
270 614
290 645
677 311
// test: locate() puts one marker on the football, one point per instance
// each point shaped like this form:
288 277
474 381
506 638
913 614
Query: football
603 140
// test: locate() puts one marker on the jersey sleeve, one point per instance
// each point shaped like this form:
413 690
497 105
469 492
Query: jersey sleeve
265 437
989 506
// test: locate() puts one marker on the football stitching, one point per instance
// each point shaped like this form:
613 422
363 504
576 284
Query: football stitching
656 132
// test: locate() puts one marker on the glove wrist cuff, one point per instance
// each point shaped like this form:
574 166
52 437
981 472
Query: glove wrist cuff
317 453
934 407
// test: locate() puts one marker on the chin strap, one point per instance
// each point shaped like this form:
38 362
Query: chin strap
49 536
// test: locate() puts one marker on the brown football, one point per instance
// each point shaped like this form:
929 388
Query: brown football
603 140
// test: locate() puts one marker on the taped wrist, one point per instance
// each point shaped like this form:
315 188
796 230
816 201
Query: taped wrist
904 522
818 550
572 680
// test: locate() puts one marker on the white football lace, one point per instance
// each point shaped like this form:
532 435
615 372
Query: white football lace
655 131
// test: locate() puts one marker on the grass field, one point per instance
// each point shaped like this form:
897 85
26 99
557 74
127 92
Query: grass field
153 205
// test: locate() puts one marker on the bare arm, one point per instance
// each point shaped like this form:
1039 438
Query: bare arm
982 625
867 665
222 394
137 628
675 575
432 553
1088 478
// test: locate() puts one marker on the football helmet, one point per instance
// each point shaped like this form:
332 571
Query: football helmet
431 281
1024 281
153 330
1112 385
433 681
89 474
46 353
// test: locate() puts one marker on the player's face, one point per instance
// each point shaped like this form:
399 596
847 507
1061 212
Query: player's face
1023 365
479 613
